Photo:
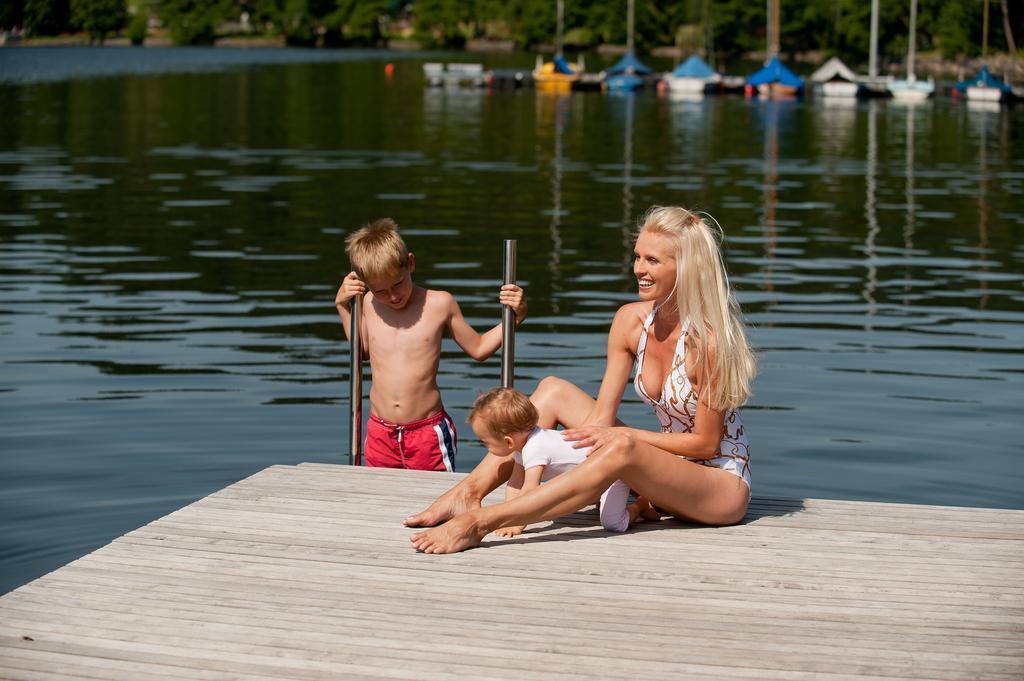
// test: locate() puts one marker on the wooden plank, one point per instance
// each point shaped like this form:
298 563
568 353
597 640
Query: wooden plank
76 609
305 572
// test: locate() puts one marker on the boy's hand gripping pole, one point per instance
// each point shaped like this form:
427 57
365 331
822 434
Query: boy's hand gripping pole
355 395
508 320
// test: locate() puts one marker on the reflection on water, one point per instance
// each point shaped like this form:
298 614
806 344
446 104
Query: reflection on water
171 245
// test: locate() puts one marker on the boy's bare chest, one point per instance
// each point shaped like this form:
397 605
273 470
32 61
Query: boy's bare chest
386 336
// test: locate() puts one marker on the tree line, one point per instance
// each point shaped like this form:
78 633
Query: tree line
724 29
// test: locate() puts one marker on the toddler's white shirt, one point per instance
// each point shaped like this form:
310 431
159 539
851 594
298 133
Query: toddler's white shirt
546 447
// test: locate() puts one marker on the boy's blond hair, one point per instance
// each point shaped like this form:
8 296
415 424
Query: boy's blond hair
376 250
504 411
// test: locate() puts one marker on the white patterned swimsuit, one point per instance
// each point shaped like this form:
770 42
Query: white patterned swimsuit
676 408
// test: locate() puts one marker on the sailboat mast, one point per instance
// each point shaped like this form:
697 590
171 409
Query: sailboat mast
709 48
558 37
629 27
873 54
773 28
913 41
984 33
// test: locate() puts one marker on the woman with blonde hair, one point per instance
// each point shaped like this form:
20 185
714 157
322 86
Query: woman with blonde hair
693 366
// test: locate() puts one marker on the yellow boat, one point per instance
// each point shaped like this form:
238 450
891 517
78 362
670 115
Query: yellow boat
555 76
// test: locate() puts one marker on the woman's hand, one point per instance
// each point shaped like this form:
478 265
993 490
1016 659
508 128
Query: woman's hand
594 437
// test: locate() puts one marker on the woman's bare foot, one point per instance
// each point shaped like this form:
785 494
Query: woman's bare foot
446 506
458 534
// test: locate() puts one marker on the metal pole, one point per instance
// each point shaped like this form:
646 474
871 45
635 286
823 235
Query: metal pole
355 395
913 41
508 320
984 33
629 27
873 54
558 36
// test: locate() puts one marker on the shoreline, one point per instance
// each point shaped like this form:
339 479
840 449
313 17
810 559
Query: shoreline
1003 65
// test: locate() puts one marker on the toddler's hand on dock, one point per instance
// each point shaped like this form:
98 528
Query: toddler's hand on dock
351 286
510 531
514 297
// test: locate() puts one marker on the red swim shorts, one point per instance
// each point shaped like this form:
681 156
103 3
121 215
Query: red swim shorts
427 445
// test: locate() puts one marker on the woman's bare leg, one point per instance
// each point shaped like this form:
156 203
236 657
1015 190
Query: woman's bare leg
488 475
557 401
685 489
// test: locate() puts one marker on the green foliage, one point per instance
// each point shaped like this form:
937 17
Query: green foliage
46 17
99 17
194 22
357 22
12 14
138 26
439 22
954 31
737 26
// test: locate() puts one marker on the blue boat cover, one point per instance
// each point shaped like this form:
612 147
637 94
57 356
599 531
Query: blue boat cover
694 67
628 61
983 79
775 72
562 66
623 82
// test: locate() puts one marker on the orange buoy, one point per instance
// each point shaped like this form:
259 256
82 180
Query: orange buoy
389 69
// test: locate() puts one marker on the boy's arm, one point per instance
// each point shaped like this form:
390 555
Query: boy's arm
529 480
351 286
473 344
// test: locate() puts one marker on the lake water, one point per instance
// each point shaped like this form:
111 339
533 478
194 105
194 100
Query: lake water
172 237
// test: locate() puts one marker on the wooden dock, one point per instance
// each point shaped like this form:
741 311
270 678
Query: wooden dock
306 572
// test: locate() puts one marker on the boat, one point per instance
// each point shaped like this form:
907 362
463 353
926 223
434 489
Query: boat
691 78
836 80
775 81
625 76
436 74
984 87
911 89
556 75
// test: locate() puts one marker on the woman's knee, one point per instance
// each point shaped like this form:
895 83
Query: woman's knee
549 393
733 507
617 455
548 386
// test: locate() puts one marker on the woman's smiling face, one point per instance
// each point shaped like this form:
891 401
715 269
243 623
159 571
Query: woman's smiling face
654 265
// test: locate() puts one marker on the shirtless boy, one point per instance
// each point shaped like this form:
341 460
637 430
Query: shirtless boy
402 326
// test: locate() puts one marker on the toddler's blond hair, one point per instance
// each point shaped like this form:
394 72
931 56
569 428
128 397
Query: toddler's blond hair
376 250
504 411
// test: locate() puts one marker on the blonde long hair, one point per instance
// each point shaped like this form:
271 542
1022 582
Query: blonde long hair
703 295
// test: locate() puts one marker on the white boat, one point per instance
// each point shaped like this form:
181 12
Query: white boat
691 78
840 89
451 75
985 93
985 88
836 80
911 89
